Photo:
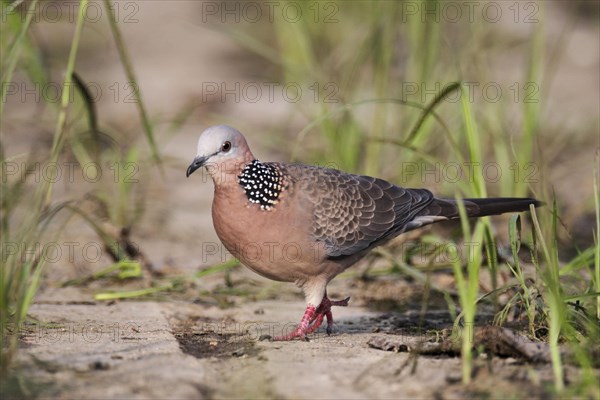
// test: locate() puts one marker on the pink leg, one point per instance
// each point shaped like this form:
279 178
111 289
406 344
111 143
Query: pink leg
313 318
316 324
323 308
302 328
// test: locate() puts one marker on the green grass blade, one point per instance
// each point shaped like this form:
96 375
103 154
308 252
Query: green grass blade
597 234
473 144
120 43
222 267
468 289
531 109
131 294
60 129
429 110
554 299
514 234
14 53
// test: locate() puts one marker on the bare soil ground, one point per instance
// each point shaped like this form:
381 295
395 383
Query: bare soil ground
78 348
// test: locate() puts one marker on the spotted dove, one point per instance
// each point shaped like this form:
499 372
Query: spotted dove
306 224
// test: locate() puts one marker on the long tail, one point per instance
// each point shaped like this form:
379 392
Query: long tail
443 209
483 207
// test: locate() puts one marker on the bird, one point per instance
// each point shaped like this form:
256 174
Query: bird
307 224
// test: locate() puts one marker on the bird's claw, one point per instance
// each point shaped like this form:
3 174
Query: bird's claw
313 318
340 303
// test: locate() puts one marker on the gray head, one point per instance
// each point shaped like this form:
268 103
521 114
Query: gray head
223 147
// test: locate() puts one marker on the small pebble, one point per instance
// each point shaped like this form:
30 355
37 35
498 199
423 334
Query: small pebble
99 365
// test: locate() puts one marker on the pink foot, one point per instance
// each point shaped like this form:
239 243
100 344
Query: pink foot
313 318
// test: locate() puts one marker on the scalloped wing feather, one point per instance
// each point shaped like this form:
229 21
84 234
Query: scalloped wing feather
353 213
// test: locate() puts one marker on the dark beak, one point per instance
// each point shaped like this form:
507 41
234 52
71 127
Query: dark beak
197 163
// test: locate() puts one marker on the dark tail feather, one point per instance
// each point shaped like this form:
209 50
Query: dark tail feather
482 207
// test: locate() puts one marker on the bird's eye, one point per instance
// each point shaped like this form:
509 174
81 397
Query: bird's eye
226 146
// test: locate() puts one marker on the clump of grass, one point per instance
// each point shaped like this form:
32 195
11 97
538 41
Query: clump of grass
527 293
468 287
129 269
568 323
20 276
555 295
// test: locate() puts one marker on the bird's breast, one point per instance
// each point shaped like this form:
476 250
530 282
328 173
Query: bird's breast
276 242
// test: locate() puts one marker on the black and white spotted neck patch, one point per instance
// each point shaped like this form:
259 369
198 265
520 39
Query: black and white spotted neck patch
263 183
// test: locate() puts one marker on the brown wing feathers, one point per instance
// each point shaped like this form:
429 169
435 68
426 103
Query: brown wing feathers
353 213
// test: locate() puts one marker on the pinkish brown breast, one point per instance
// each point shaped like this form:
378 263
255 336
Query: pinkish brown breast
276 243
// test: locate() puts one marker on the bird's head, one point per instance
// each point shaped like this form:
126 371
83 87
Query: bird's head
223 151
